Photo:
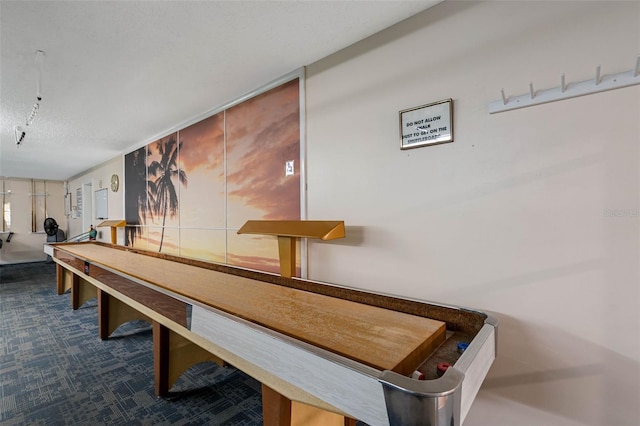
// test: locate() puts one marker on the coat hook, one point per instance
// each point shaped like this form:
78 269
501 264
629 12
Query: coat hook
567 90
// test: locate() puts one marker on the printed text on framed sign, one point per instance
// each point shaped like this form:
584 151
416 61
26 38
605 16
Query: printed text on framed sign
429 124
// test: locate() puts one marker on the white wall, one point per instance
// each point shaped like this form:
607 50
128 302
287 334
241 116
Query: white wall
532 215
100 177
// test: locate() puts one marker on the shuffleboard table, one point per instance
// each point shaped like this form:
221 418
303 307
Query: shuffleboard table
310 344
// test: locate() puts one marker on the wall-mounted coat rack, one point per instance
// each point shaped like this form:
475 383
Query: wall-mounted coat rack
565 91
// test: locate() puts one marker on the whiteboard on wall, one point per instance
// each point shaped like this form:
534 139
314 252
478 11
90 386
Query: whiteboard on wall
102 207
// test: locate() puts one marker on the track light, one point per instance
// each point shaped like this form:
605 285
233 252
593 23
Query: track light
34 111
39 59
20 134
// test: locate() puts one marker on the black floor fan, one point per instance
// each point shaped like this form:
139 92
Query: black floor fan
53 231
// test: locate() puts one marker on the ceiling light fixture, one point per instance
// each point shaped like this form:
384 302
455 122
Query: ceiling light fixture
20 134
36 106
19 131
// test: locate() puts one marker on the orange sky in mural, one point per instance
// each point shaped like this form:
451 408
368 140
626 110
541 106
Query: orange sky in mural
201 145
257 149
202 202
256 252
204 244
262 134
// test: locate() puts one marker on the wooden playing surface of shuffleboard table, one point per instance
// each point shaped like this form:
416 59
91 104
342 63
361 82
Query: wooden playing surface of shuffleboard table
380 338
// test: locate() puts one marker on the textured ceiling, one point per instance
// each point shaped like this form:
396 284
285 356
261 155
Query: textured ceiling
117 74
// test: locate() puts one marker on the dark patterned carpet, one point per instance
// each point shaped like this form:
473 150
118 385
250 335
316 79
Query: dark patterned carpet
54 370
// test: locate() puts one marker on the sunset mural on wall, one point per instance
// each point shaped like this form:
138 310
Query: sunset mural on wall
223 171
165 180
135 197
202 202
263 133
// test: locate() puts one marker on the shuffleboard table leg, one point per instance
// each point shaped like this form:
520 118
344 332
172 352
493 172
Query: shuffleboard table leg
161 358
348 421
64 279
60 273
306 415
103 314
112 313
81 291
276 409
75 292
173 354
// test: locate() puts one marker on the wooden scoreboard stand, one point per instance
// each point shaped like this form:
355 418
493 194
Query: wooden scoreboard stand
288 231
114 225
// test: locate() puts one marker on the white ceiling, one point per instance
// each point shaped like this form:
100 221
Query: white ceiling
117 74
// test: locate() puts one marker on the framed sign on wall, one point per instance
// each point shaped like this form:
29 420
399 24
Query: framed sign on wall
429 124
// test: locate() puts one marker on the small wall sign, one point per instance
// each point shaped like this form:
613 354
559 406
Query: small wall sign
429 124
289 168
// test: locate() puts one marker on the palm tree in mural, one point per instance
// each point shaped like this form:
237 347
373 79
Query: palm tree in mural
140 192
165 195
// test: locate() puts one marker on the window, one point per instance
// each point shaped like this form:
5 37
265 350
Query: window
6 208
38 205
